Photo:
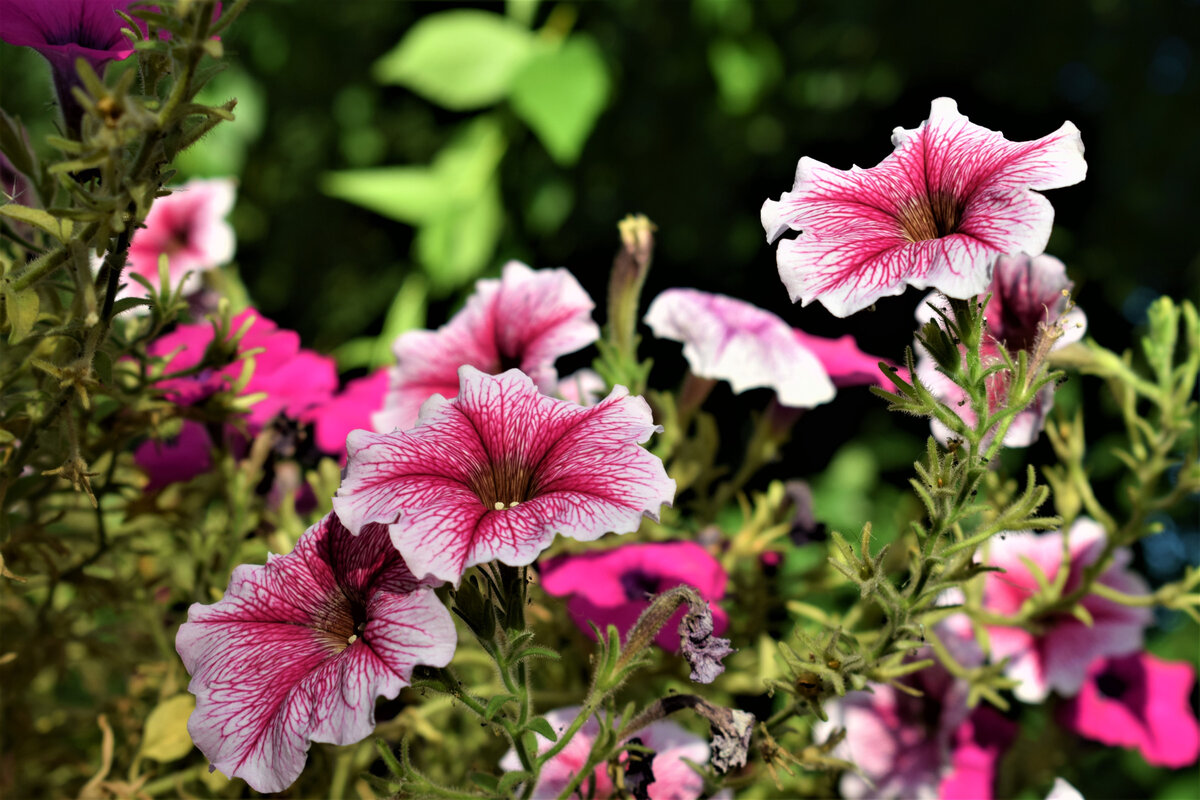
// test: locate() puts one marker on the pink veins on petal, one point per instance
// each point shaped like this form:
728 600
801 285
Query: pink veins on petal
494 473
525 320
298 650
934 214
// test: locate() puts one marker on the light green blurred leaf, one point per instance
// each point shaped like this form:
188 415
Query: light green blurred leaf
461 60
55 226
406 313
560 95
22 310
407 194
166 736
457 247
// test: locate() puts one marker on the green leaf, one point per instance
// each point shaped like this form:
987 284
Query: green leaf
166 736
560 95
542 725
22 311
414 195
58 228
489 783
535 651
126 303
457 247
509 780
494 704
461 60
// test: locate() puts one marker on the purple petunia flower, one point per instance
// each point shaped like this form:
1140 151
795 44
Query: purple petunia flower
1027 296
612 587
933 214
1058 655
525 320
298 650
1139 701
494 473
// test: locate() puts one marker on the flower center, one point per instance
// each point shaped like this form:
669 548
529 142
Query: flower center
1111 685
930 217
638 584
502 485
343 621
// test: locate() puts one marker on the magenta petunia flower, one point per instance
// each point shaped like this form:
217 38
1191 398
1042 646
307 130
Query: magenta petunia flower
349 409
934 214
494 473
298 650
178 459
612 586
525 320
1026 297
63 30
1057 658
189 227
1139 701
673 778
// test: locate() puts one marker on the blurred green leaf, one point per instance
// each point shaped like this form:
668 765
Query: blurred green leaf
22 310
57 227
457 247
406 313
560 95
167 736
407 194
461 60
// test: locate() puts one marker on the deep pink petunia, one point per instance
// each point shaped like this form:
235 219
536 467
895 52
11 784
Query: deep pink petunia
298 650
63 30
673 778
178 459
1058 656
525 320
189 227
1026 296
496 472
934 214
1139 701
611 587
349 409
729 339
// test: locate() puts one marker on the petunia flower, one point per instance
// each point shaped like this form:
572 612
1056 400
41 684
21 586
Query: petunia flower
584 387
178 459
494 473
525 320
671 744
613 586
1027 297
297 651
729 339
1058 655
934 214
189 227
1139 701
349 409
1062 790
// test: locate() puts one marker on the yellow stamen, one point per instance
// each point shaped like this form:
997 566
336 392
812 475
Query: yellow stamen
353 638
498 506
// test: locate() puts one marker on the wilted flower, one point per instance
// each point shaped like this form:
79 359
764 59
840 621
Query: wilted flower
702 648
673 778
934 214
1139 701
494 473
1058 655
1028 301
614 586
298 650
525 320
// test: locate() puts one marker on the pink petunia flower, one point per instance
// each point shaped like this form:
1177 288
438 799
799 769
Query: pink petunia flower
1026 297
298 650
934 214
732 340
178 459
1139 701
584 387
525 320
494 473
1057 657
349 409
189 227
673 778
611 587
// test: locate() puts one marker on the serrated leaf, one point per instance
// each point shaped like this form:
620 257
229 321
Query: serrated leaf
166 736
542 725
21 308
58 228
560 94
461 60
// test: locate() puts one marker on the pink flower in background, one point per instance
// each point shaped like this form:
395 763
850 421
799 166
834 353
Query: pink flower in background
731 340
673 778
979 744
934 214
298 650
584 387
496 472
525 320
1057 658
1139 701
189 227
349 409
1026 297
611 586
175 460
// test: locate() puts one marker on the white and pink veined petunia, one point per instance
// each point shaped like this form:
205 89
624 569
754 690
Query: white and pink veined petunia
493 474
1028 295
933 215
525 320
298 650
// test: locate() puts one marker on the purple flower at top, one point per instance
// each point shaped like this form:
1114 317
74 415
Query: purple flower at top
729 339
525 320
1139 701
1058 655
1026 297
612 586
298 650
934 214
673 778
496 472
